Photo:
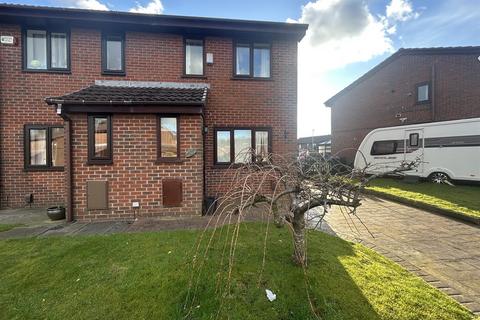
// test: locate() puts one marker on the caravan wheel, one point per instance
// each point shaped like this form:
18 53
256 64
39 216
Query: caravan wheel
439 177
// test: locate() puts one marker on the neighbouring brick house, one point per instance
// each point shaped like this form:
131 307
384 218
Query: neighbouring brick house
411 86
121 115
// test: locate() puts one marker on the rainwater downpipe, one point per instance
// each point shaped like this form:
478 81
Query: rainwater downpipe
68 161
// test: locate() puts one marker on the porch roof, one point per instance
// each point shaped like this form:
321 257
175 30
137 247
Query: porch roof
135 96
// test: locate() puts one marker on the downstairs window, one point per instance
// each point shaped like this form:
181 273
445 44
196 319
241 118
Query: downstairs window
241 145
44 147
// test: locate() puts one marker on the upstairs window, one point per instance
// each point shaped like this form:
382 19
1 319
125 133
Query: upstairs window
252 60
239 145
423 93
46 50
100 139
194 60
113 54
44 147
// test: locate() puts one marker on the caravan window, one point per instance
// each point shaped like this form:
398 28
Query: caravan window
413 140
383 148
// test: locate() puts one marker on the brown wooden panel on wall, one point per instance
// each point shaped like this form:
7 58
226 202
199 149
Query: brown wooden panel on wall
97 195
172 192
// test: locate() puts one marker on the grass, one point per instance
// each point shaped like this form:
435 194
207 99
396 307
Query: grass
6 227
462 199
133 276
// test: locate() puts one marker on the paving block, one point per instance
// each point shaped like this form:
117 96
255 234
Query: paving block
461 298
473 306
450 291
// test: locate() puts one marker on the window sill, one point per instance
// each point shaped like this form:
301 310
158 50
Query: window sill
251 79
113 73
46 71
193 76
41 169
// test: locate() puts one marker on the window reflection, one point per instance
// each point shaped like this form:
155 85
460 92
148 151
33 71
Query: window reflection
101 137
36 49
242 145
194 57
223 146
169 138
38 147
261 61
59 50
114 55
57 147
243 60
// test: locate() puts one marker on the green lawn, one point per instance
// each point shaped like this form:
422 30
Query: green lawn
6 227
459 198
133 276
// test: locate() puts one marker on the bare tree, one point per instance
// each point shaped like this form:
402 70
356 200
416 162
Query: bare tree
286 188
292 186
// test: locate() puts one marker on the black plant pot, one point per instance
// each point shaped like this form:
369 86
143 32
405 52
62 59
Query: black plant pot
56 213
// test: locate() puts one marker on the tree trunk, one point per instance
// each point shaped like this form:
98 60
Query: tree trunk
299 253
278 217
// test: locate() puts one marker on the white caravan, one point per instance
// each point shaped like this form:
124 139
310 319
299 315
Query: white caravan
445 150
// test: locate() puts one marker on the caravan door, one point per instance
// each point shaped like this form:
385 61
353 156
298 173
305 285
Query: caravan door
414 148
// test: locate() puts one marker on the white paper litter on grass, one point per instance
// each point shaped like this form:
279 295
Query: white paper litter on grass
270 295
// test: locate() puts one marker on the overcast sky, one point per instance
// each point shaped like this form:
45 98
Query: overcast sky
346 38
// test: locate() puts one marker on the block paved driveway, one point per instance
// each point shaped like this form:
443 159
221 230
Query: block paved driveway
443 251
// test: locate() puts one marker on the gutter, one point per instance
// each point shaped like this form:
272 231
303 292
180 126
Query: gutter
52 101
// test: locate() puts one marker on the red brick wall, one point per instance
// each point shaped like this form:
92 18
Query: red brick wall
376 101
149 57
135 174
260 103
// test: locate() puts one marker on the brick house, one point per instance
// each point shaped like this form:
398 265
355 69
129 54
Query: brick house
411 86
120 115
